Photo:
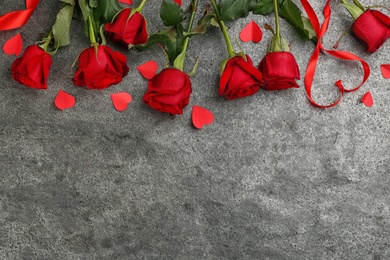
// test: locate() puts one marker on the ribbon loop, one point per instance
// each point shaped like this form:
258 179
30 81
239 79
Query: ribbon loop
312 65
16 19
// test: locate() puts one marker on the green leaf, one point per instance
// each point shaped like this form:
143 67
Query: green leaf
231 10
84 9
290 11
93 3
171 13
203 23
162 36
106 10
263 7
61 27
173 49
310 33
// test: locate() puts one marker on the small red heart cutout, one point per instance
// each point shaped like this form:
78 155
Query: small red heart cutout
251 32
148 69
121 100
64 100
129 2
178 2
367 99
385 68
201 116
13 45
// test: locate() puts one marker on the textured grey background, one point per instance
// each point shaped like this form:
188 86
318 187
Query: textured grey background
271 178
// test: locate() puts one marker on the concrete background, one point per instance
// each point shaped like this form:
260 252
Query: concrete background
271 178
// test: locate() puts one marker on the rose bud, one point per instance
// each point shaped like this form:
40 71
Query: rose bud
128 28
32 69
168 91
239 78
373 27
99 67
280 70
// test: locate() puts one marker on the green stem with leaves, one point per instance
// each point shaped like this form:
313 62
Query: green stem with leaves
179 61
222 26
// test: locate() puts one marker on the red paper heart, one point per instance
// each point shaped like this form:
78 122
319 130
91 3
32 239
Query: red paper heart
64 100
385 68
121 100
367 99
178 2
251 32
201 116
129 2
148 69
13 45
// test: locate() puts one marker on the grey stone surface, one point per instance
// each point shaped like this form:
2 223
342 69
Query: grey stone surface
271 178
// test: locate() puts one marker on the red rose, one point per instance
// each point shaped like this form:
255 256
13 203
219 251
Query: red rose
169 91
239 78
373 27
32 69
128 30
280 70
101 67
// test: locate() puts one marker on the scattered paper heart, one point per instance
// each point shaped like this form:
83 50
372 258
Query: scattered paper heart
385 68
367 99
14 45
148 69
129 2
201 116
121 100
64 100
251 32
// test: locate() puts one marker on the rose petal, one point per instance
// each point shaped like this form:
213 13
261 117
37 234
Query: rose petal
251 32
367 99
64 100
121 100
13 45
129 2
385 68
201 116
148 69
178 2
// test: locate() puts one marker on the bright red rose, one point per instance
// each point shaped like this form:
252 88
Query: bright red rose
101 67
280 70
128 31
32 69
372 27
239 78
169 91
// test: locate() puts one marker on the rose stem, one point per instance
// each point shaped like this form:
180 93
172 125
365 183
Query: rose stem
179 61
278 44
47 41
228 42
92 37
141 6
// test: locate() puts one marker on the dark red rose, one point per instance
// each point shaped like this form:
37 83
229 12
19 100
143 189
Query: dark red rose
169 91
372 27
239 78
100 67
32 69
280 70
128 31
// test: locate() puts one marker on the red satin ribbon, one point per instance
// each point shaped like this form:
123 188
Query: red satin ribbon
16 19
320 31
